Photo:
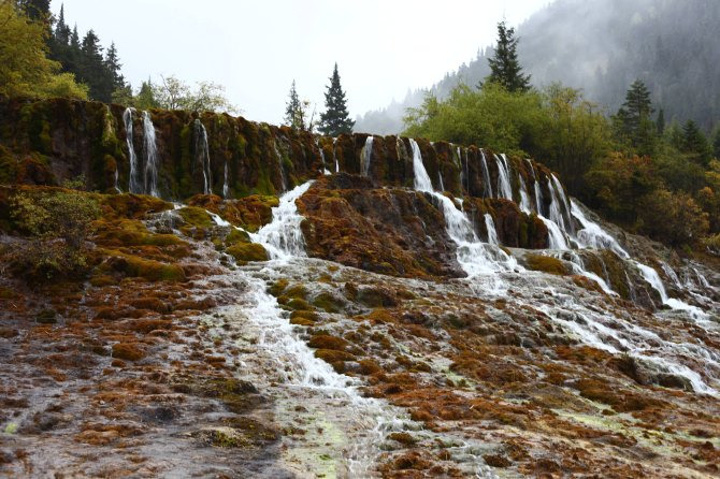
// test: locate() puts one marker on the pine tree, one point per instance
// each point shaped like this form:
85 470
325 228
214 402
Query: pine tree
295 110
112 63
335 119
62 30
632 121
93 69
716 142
504 66
36 10
695 144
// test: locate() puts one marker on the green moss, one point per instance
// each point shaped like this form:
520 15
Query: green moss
546 264
299 304
245 252
235 237
278 287
303 317
327 302
196 217
135 266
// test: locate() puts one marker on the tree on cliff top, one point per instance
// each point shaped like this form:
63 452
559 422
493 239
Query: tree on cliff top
295 110
335 119
505 67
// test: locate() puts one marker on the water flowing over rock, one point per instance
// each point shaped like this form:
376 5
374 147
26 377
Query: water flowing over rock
405 308
134 186
202 155
366 156
283 238
151 156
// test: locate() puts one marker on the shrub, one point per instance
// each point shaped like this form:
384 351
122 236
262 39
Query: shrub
57 223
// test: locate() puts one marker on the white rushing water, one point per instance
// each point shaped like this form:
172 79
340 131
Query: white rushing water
350 429
282 238
151 156
525 205
537 189
504 185
593 236
653 279
490 227
474 256
134 184
202 155
366 156
487 184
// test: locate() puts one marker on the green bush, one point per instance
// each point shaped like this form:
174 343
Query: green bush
57 224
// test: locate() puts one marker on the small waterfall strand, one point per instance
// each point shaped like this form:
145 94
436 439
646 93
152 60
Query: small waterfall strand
134 184
282 237
202 155
366 156
151 156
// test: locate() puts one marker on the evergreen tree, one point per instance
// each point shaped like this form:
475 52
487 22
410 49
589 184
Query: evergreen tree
145 99
93 69
294 110
716 142
112 64
62 30
660 122
36 10
633 123
695 144
505 67
335 119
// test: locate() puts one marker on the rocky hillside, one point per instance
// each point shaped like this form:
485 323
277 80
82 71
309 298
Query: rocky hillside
252 301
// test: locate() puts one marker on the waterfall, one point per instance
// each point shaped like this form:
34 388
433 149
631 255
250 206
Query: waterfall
560 207
556 207
504 186
322 157
537 188
440 178
487 184
337 164
282 237
150 183
202 155
593 236
422 179
525 205
366 156
474 256
134 186
226 187
653 279
556 237
491 233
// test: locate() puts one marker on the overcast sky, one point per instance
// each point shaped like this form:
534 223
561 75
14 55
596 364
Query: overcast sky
256 48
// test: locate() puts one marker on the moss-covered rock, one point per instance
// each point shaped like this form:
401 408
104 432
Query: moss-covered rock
245 252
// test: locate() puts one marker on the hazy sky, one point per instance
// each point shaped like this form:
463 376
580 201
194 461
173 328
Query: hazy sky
256 48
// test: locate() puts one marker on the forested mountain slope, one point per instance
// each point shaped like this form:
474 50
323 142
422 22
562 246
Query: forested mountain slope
602 46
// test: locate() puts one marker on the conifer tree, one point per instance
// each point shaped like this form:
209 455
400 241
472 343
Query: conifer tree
335 119
112 63
505 67
632 121
294 110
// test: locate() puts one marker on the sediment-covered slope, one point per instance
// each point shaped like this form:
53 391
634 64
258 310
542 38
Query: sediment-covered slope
350 307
